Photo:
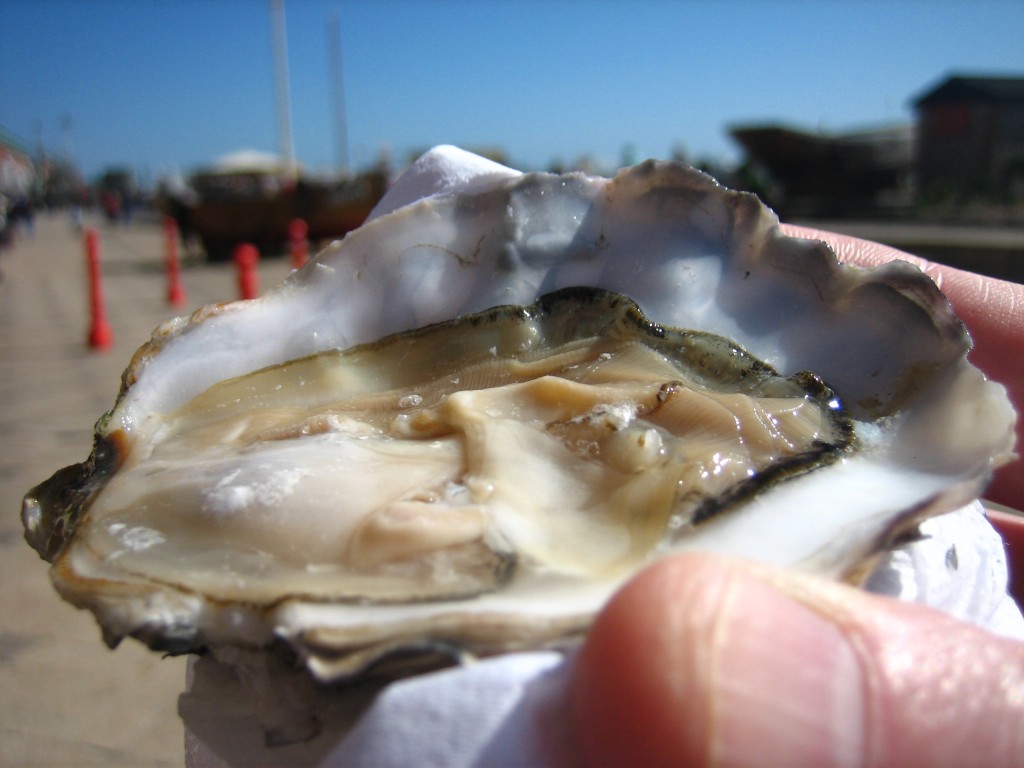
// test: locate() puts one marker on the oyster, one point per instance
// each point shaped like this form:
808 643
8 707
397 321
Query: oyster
460 429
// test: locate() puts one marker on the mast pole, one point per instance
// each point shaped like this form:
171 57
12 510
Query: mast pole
340 126
283 100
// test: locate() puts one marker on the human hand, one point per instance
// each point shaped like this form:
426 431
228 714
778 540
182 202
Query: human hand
992 310
703 660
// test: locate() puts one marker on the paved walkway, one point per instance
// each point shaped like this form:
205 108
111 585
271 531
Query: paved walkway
65 699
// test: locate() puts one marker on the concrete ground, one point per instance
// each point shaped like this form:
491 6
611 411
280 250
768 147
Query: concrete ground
65 698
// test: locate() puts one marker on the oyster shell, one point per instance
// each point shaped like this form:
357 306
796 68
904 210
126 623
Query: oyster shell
462 427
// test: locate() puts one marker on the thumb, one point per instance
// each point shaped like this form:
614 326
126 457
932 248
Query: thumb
702 660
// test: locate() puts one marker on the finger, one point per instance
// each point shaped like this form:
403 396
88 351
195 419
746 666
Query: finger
992 310
709 661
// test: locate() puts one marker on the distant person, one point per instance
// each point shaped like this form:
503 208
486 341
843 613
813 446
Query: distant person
111 202
5 233
23 216
127 207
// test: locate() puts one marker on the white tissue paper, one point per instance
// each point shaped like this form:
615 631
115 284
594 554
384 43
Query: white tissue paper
509 710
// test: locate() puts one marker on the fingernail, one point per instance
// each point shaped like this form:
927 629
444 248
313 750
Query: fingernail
787 686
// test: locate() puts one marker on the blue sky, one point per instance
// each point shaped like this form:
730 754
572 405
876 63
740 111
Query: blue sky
164 86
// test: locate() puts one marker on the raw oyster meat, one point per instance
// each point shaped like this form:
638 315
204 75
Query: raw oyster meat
462 427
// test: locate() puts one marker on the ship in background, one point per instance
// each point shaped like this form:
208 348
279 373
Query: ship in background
832 174
253 197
